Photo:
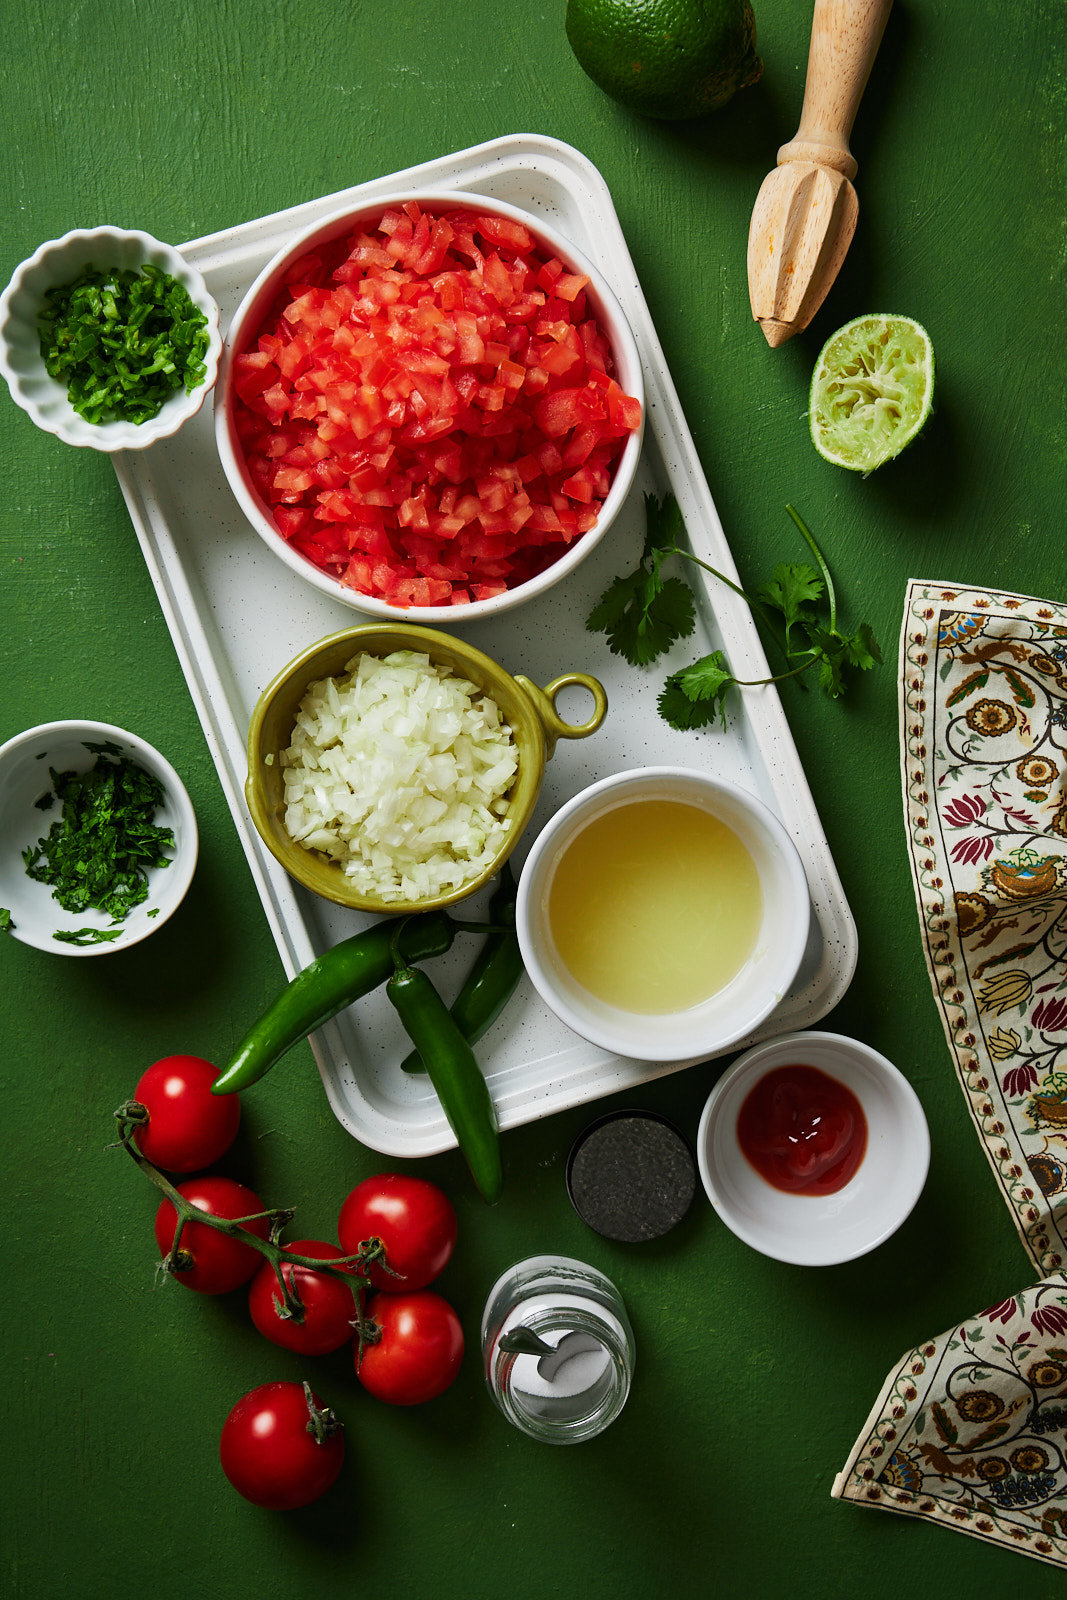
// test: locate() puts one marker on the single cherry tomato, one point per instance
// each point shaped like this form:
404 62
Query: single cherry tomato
219 1263
280 1447
329 1308
419 1352
188 1127
414 1219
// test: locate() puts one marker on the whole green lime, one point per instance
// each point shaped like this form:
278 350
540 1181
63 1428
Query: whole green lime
666 58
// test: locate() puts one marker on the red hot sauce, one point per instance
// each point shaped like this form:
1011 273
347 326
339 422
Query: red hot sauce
802 1131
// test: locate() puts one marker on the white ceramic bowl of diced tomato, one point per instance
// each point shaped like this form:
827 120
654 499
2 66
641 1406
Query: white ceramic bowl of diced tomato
430 407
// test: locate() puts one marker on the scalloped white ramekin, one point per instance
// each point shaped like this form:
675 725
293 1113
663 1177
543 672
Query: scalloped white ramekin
43 398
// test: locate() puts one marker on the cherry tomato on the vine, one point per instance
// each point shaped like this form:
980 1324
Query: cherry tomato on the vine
188 1127
420 1350
329 1308
414 1219
280 1448
219 1263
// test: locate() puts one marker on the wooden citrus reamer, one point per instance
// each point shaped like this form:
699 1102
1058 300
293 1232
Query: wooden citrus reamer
805 213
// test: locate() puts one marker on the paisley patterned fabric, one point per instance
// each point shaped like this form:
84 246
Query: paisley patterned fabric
970 1429
984 744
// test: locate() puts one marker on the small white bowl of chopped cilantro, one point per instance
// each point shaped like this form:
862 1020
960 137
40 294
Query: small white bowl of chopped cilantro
98 838
109 339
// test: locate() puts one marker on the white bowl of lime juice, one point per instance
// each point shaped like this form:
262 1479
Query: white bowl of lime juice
663 914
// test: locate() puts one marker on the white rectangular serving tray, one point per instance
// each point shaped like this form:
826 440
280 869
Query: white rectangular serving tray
237 615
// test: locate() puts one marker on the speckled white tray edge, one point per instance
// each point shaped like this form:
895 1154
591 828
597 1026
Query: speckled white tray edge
236 615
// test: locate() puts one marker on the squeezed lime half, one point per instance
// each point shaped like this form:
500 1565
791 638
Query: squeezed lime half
872 390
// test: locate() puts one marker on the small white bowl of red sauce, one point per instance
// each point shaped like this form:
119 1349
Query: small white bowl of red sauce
430 406
813 1148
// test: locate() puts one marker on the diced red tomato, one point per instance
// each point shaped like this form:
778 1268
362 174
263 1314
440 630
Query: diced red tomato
569 285
430 410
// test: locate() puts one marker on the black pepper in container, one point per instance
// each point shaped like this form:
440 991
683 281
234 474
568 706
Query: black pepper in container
631 1176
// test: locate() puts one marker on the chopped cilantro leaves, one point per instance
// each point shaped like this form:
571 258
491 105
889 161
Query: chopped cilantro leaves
123 341
87 935
97 855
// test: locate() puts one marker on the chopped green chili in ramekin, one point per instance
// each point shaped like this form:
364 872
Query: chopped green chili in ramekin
123 341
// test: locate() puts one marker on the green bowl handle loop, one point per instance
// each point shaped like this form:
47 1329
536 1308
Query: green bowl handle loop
545 704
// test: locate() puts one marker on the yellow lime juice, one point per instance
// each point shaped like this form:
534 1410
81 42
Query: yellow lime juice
654 906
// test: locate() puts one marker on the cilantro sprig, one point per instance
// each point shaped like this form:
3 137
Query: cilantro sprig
98 853
643 613
123 341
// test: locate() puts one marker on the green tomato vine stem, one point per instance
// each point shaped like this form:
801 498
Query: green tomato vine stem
321 1424
132 1115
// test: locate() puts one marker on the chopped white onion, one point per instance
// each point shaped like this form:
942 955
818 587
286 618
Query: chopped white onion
400 771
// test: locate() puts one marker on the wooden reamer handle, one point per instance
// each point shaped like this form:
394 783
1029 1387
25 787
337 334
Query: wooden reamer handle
845 35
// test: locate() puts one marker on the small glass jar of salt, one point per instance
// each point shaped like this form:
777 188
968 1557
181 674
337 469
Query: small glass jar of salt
558 1349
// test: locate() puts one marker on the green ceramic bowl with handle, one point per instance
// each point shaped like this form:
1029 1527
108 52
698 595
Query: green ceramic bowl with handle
528 709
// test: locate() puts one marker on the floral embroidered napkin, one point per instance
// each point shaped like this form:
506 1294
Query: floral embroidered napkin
984 750
971 1429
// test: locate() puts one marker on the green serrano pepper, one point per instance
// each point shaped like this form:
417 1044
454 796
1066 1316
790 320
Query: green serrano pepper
494 976
453 1071
339 976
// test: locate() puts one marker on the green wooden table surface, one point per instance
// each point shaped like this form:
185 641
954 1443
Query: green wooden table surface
754 1378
